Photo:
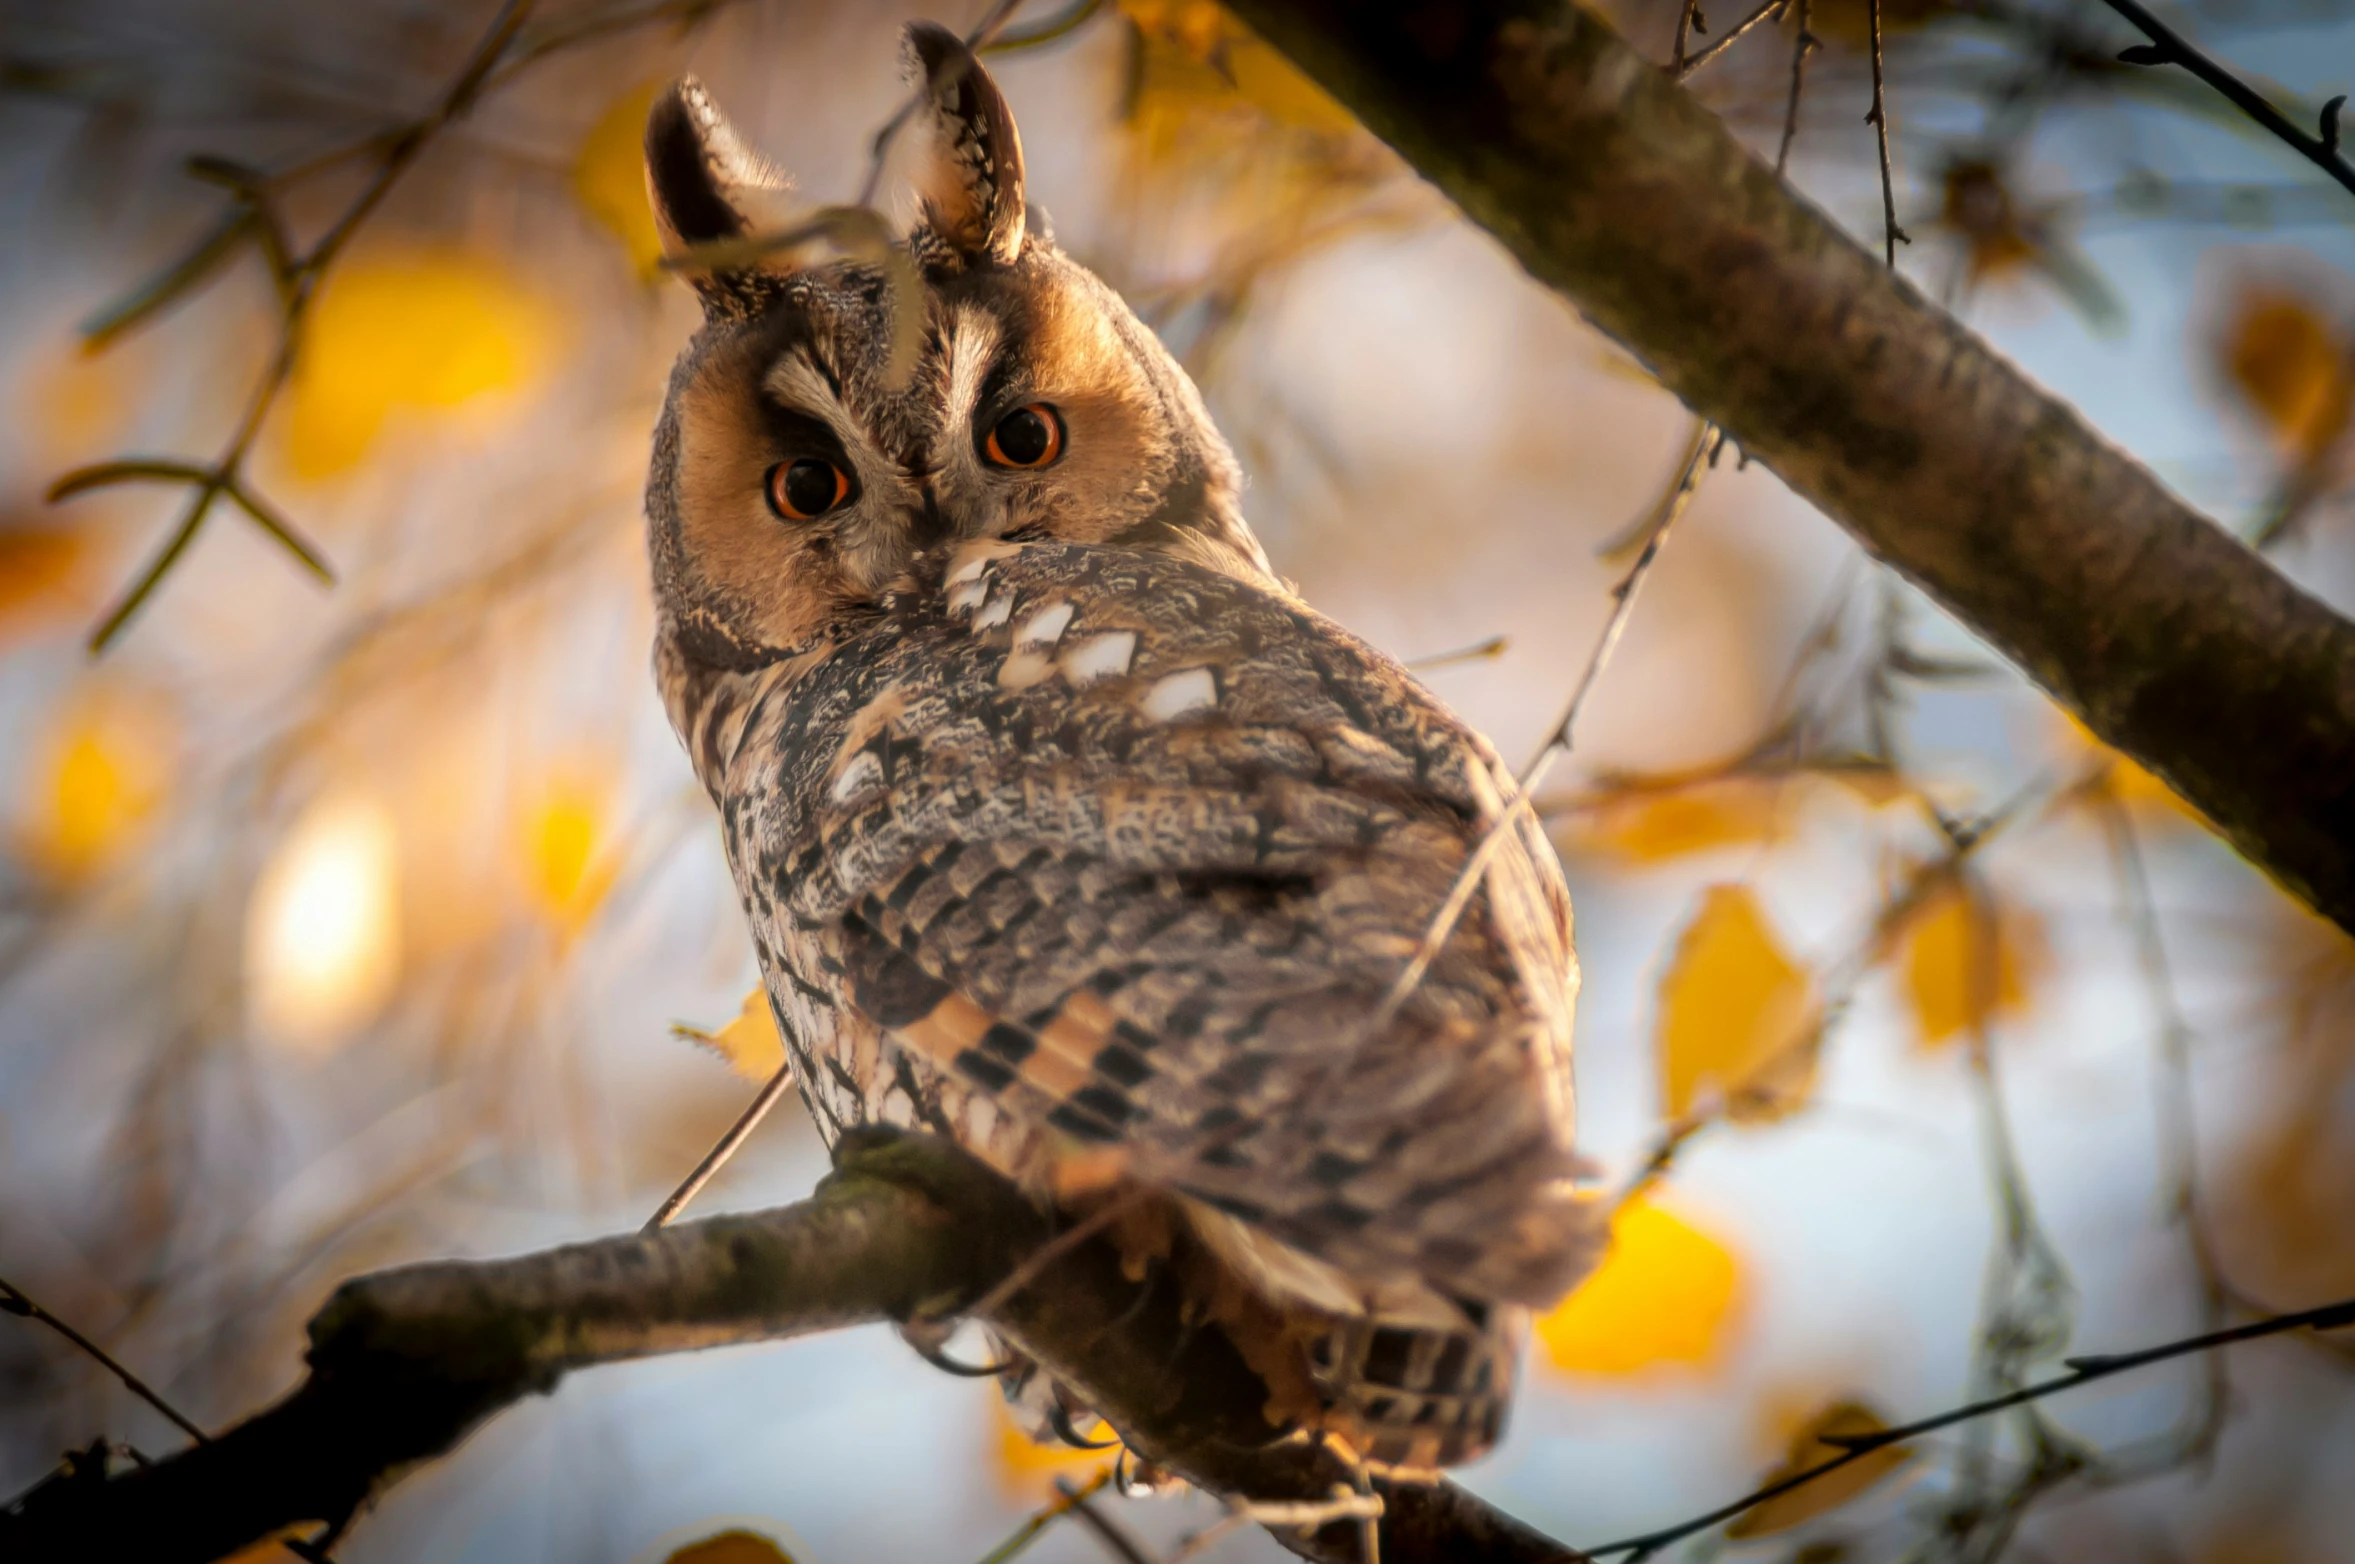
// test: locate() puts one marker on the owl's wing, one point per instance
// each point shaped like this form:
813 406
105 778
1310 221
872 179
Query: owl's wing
1138 849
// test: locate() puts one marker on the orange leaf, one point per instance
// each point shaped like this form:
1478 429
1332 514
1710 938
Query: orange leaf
1738 1018
1663 1295
1846 1419
749 1043
1654 825
2293 367
735 1546
38 566
1966 964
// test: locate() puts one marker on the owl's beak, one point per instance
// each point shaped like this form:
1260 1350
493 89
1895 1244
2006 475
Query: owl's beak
927 526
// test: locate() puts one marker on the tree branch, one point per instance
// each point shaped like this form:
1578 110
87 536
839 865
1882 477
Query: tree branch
1613 186
405 1363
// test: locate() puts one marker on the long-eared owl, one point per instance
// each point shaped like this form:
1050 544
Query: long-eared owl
1064 829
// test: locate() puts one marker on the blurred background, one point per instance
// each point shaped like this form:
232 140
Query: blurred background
342 927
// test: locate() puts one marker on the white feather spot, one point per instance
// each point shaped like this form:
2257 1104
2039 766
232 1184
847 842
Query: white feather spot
1104 656
966 596
993 613
1045 627
1173 695
863 772
972 570
1027 666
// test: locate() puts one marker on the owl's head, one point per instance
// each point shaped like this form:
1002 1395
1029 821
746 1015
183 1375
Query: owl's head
802 464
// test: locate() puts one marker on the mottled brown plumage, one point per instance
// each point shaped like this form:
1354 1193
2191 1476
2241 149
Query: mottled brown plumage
1064 830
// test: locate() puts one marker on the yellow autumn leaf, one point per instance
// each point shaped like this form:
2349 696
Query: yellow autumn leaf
749 1043
1664 1294
734 1546
1738 1018
1026 1469
2294 368
99 776
1967 964
429 329
568 860
1204 79
1654 825
39 567
1842 1419
609 179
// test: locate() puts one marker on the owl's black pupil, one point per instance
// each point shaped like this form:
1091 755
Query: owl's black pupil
1024 436
809 487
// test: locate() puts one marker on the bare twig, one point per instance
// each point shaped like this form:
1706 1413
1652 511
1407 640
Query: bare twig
1487 651
1878 118
1688 18
1686 68
1114 1536
726 1147
1801 48
14 1300
2082 1371
2169 47
1066 1500
1557 744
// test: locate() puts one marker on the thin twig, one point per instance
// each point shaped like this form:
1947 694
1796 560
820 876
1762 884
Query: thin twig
1111 1533
1799 52
2169 47
726 1147
1878 118
1688 16
1487 651
2082 1371
1067 1500
1558 743
1686 70
14 1300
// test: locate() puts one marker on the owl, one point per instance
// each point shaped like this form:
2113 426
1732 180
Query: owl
1065 830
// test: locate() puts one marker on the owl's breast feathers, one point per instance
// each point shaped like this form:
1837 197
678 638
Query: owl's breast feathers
1120 855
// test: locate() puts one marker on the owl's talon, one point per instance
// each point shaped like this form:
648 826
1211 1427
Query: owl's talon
948 1365
1059 1419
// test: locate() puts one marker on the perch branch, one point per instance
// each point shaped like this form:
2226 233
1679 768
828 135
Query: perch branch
405 1363
1612 185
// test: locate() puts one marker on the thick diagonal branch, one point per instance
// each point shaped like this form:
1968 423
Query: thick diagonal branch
1613 186
405 1363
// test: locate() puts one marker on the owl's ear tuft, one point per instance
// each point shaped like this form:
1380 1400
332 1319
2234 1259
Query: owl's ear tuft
970 177
698 173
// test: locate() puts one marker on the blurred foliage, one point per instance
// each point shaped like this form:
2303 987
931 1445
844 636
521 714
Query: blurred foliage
609 179
1843 1419
732 1547
1969 965
1738 1017
417 818
1667 1294
424 329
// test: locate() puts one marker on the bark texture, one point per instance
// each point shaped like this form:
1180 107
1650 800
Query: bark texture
405 1363
1613 186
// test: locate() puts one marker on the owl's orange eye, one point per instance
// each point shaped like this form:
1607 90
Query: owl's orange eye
807 489
1030 436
